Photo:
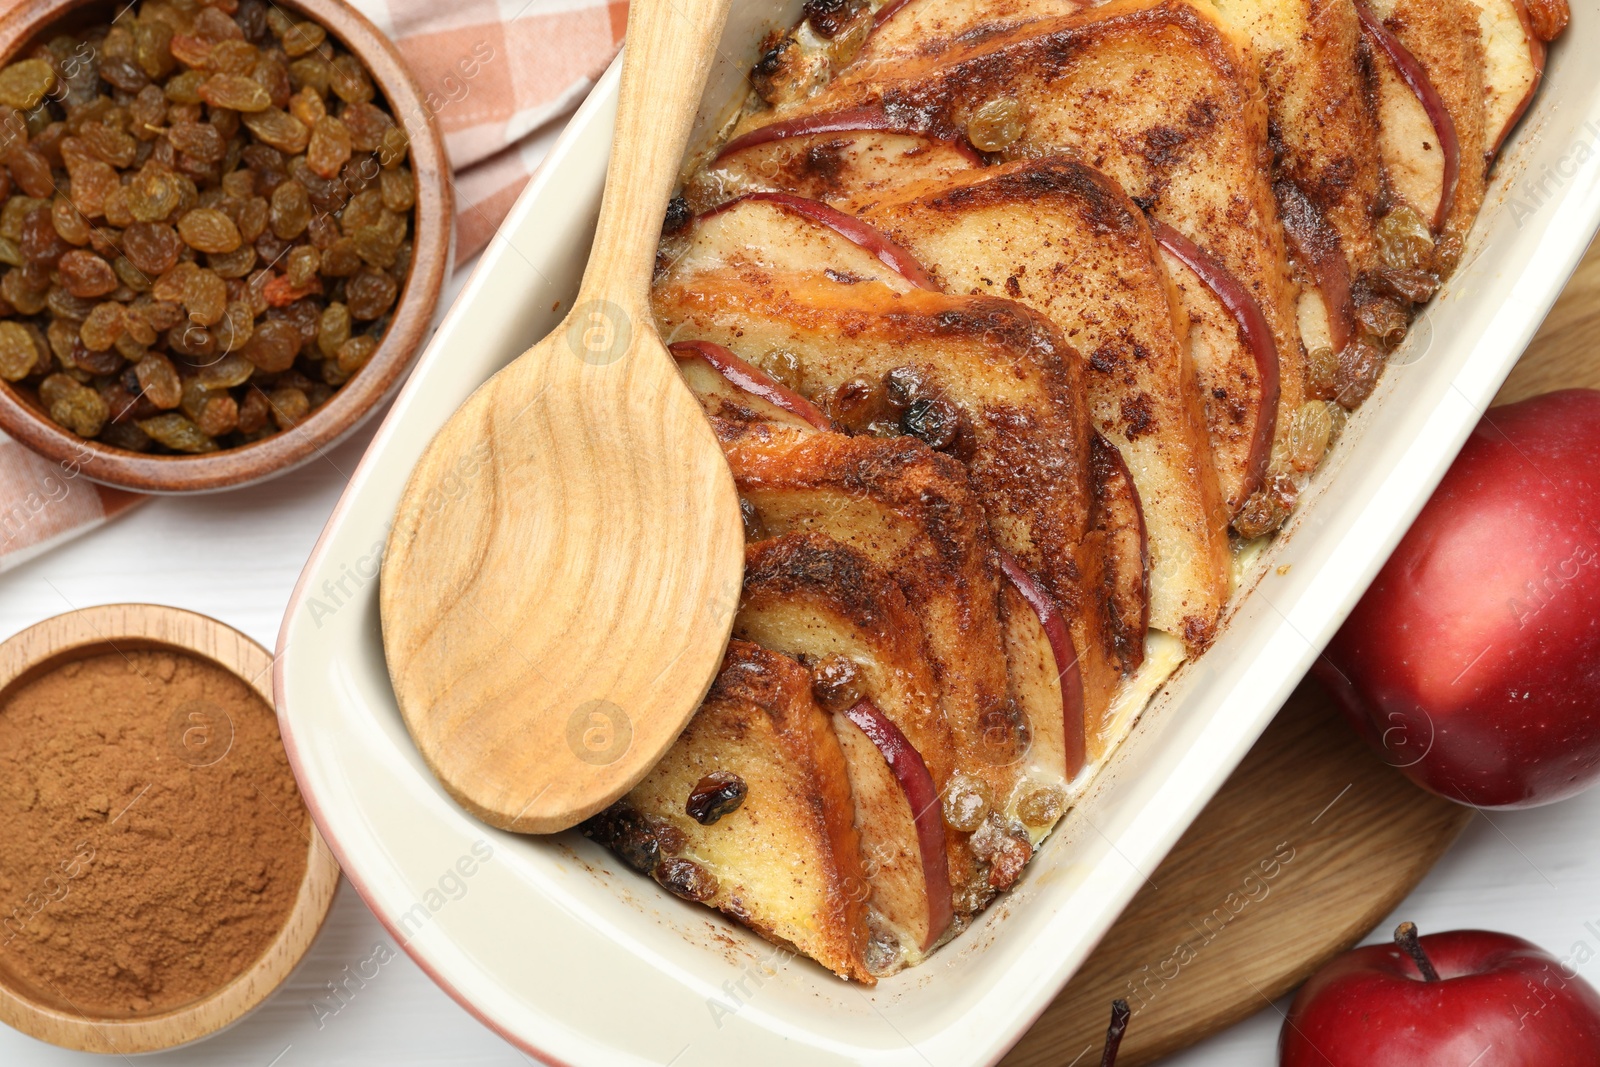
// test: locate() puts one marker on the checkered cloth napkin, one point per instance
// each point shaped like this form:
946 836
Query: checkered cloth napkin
496 74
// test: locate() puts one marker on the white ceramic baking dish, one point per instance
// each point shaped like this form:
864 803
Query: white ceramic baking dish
579 961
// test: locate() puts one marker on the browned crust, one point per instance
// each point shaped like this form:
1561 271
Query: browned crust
843 594
911 510
1028 455
761 701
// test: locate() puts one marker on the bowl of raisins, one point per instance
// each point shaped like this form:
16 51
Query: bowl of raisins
224 227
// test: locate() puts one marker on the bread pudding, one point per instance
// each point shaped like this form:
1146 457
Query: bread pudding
1018 321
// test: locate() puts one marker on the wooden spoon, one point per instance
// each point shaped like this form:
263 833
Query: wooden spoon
564 566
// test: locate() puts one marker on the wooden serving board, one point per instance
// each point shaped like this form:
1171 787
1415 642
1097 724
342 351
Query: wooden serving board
1309 844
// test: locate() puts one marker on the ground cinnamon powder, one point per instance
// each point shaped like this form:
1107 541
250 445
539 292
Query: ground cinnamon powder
152 839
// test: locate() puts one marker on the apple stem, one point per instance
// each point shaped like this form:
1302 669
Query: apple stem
1119 1026
1405 935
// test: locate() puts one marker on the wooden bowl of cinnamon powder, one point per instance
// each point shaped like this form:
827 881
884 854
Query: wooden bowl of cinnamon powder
159 872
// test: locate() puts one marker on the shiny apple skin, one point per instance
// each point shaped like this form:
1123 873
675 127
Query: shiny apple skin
1473 661
1500 1002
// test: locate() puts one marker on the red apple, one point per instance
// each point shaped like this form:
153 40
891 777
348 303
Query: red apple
906 764
1252 325
1416 79
1073 732
1467 997
1473 661
849 227
868 117
752 380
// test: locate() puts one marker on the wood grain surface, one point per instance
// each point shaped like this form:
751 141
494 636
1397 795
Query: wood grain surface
1201 947
565 562
87 632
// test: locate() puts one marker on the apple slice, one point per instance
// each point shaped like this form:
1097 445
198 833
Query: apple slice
758 232
845 160
757 383
1514 58
1258 335
1416 179
849 227
1073 726
872 117
902 28
922 797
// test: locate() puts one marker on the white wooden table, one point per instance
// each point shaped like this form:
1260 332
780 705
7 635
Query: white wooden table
236 557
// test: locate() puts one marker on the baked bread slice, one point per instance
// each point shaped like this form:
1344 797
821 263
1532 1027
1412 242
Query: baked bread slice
987 381
824 603
787 861
1327 167
1168 101
1061 238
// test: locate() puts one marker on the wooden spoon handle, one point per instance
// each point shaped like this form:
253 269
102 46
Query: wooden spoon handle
671 46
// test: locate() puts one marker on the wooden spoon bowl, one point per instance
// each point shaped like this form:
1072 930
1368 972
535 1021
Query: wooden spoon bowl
23 418
563 569
122 627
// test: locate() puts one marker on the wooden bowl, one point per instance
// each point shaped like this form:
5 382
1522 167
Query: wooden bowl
432 239
120 627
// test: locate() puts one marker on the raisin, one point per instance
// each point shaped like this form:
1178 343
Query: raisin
370 293
290 211
64 305
31 172
303 37
86 274
158 381
281 292
208 230
177 433
103 326
153 247
73 405
717 794
274 346
934 419
23 84
236 264
110 144
253 216
236 328
686 879
90 184
69 223
218 414
302 266
399 189
354 353
329 148
154 194
967 803
367 124
233 59
254 412
333 330
20 292
290 406
235 92
18 354
1042 807
349 81
206 297
118 212
231 370
394 148
198 140
40 242
307 106
341 260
